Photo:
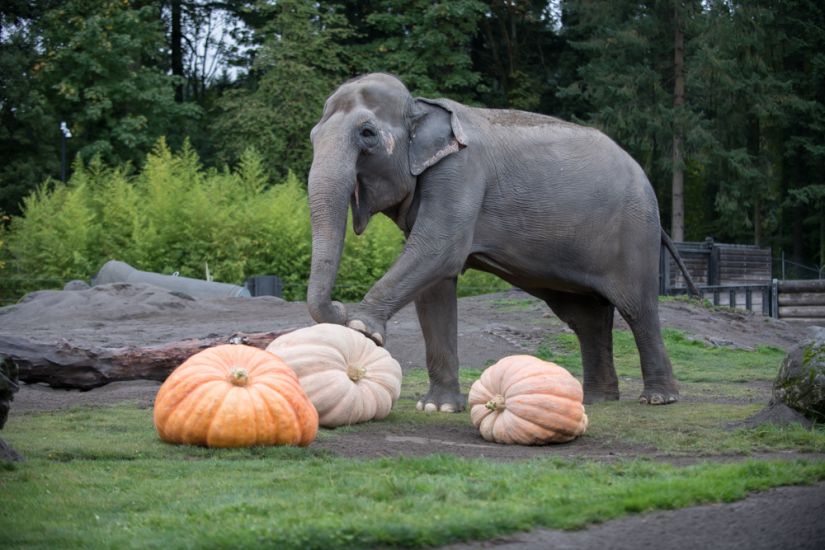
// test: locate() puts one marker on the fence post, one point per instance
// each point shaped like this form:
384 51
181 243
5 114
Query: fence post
714 267
775 299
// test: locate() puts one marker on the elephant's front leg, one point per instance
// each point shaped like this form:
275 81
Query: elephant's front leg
437 314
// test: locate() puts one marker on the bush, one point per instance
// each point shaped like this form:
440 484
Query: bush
175 216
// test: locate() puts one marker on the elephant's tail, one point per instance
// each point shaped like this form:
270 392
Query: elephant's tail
675 253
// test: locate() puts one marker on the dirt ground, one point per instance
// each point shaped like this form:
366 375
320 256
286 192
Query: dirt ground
490 327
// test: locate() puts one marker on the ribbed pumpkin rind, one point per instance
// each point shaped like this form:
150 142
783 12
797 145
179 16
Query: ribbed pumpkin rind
199 405
321 354
542 402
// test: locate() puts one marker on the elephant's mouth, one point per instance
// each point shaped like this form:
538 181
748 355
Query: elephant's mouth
360 207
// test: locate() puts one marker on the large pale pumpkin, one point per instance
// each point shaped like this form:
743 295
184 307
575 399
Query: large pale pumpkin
348 378
527 401
234 396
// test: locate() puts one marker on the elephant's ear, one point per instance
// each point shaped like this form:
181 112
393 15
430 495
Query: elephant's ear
435 132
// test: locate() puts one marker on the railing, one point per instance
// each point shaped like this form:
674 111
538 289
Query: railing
756 298
801 300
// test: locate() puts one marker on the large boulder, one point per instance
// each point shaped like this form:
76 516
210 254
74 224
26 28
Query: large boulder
800 383
8 386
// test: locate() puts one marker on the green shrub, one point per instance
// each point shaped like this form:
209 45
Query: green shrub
175 216
57 235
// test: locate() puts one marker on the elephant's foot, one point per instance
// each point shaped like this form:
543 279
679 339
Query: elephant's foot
599 395
595 392
441 400
368 328
659 396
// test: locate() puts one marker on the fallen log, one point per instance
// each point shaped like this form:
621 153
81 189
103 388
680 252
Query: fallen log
64 365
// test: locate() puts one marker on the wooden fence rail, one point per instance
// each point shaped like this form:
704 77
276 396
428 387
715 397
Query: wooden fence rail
739 276
800 300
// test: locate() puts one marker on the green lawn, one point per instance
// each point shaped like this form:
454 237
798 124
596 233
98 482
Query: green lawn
100 477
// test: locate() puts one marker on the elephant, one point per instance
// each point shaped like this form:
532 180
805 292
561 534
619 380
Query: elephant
554 208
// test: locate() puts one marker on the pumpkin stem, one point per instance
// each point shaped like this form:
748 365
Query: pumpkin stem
496 403
356 373
238 376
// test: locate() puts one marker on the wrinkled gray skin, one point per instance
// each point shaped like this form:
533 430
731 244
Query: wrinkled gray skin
556 209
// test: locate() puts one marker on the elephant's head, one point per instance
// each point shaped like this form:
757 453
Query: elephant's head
371 144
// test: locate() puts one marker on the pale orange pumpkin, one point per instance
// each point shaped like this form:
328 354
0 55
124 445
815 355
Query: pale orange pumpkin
347 376
527 401
234 396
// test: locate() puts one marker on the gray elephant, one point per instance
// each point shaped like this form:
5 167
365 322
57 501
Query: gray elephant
554 208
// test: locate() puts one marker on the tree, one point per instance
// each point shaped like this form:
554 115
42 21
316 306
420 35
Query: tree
29 136
98 65
734 80
517 51
426 44
800 27
299 65
677 231
101 72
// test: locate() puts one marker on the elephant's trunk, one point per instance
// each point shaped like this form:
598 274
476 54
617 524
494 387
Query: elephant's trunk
331 183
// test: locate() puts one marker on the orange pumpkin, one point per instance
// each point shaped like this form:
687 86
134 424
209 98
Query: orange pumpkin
527 401
348 378
234 396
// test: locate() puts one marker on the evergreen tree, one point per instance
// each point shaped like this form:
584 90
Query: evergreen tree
799 26
427 44
299 65
98 65
29 135
517 50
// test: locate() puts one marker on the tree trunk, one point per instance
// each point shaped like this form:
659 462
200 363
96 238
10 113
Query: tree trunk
821 241
757 221
176 48
677 231
64 365
755 152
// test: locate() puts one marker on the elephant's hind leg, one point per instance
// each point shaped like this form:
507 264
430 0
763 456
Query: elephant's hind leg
591 318
437 310
659 384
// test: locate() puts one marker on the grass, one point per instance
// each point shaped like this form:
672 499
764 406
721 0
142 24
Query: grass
100 477
693 361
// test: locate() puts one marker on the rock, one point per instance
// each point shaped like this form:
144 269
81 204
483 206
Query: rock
800 383
8 387
76 285
8 454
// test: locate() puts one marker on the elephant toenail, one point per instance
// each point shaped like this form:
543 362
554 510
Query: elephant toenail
430 407
419 406
447 408
357 325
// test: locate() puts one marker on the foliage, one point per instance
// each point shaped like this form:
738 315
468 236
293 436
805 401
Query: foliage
300 63
693 361
96 65
123 73
176 216
426 44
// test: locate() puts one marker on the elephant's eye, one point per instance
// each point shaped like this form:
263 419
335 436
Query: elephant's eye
368 137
